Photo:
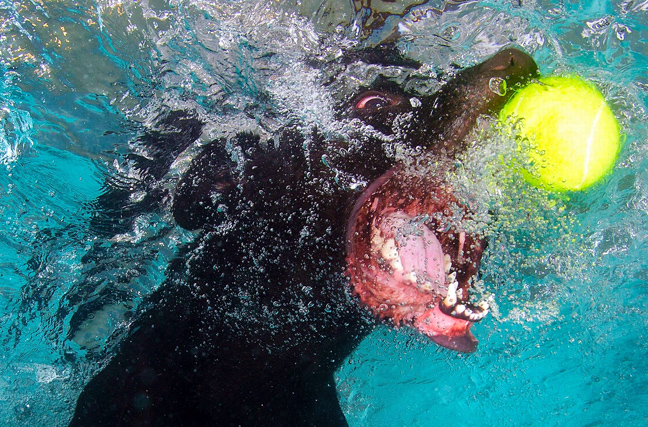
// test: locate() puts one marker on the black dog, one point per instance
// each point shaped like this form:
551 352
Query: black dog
257 314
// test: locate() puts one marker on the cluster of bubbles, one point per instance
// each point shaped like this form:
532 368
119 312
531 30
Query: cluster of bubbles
534 242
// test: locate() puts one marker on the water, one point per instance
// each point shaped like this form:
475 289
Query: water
566 342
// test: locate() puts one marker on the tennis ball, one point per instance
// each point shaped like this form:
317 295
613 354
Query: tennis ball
573 136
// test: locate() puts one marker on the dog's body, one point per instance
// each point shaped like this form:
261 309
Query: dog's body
256 314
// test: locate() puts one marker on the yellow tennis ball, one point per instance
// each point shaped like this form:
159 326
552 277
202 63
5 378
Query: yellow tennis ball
573 136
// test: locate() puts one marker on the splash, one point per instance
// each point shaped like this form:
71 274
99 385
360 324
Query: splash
16 126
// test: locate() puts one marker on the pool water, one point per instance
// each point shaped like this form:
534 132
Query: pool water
566 343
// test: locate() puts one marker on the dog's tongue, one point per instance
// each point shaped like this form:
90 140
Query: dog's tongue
410 250
415 257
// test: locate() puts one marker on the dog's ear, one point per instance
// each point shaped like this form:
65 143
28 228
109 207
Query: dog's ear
203 192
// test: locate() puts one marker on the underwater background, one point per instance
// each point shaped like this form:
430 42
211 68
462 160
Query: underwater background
566 343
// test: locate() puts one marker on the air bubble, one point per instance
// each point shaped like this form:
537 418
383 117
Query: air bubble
497 85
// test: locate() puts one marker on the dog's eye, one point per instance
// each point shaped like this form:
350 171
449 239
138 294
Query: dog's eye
373 101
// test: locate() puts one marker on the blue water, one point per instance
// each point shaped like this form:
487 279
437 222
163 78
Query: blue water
567 342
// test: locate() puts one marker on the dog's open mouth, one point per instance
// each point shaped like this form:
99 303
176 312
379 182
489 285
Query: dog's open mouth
402 271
